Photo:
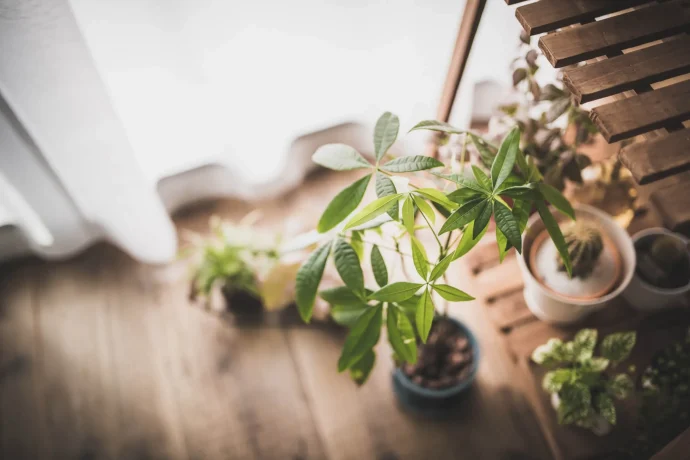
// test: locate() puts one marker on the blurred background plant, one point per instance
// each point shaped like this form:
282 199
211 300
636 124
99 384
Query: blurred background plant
240 258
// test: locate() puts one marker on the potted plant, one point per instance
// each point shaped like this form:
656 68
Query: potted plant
242 262
662 274
454 214
603 262
581 390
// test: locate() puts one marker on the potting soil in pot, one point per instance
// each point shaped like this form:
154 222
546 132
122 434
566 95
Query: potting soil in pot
668 269
446 360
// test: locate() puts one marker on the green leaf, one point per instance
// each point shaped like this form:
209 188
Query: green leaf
463 195
595 364
576 401
521 209
506 222
555 233
554 380
486 152
373 210
584 343
401 335
465 214
357 243
385 133
419 257
467 242
362 337
482 220
551 353
411 163
605 407
396 292
347 264
378 266
503 245
441 267
343 204
434 125
505 159
617 347
359 371
385 187
553 196
620 386
408 215
307 280
462 181
425 315
437 197
347 315
451 293
339 157
426 209
482 178
342 295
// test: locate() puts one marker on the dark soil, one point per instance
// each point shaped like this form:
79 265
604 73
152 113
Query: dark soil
662 277
446 360
243 304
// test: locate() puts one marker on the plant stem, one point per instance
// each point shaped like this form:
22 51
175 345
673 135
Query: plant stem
380 246
440 246
462 154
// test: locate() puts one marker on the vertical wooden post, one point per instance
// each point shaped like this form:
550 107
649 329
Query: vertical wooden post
463 44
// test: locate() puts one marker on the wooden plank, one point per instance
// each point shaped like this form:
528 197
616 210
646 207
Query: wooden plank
658 158
676 449
509 311
673 204
629 71
638 114
547 15
614 34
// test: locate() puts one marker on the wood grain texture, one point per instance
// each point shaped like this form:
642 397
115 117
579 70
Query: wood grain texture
658 158
645 112
102 357
547 15
616 33
673 203
629 71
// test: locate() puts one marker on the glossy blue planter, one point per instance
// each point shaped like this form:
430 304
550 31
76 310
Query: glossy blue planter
436 403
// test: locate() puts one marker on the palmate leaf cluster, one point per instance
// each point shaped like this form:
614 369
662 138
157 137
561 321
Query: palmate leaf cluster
461 207
579 378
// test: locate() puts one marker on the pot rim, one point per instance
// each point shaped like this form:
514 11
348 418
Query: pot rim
446 392
660 231
628 272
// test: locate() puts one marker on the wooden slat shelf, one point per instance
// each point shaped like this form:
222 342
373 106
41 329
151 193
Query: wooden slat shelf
643 113
629 50
573 45
629 71
658 158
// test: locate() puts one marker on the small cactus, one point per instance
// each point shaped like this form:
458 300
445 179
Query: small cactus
666 252
585 245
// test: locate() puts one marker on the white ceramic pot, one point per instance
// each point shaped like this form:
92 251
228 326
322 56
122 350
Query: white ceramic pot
553 308
645 297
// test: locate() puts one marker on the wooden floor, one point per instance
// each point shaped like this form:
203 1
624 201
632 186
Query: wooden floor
104 358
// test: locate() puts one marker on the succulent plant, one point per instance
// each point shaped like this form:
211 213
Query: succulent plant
666 251
585 245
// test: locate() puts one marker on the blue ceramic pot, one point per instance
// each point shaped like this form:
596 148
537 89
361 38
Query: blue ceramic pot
436 403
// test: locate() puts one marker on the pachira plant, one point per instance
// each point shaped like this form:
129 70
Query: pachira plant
457 207
578 381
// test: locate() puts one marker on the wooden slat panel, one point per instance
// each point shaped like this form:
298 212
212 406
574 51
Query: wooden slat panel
658 158
509 310
644 112
622 73
614 34
673 204
548 15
